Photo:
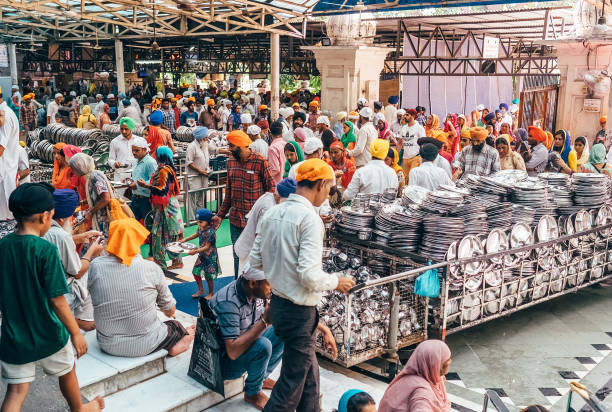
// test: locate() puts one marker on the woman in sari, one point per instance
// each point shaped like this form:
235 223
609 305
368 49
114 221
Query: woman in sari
581 146
349 138
343 166
383 128
597 161
451 128
462 122
433 123
519 144
293 154
508 159
419 387
98 191
565 158
60 178
86 120
167 220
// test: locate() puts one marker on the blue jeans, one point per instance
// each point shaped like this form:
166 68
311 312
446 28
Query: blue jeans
258 362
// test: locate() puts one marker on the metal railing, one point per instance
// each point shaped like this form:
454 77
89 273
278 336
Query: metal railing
589 399
493 397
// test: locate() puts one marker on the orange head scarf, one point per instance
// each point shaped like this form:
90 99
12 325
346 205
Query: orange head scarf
435 125
125 236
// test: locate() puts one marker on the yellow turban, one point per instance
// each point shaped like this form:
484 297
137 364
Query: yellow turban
465 133
191 99
239 138
125 236
479 133
603 119
314 169
507 137
440 135
379 149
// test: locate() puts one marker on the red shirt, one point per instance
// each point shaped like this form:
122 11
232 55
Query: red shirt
246 182
177 117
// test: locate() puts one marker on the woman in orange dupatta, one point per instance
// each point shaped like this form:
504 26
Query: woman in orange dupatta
433 123
63 177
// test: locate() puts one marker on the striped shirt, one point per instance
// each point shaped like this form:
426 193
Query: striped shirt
125 301
246 182
235 313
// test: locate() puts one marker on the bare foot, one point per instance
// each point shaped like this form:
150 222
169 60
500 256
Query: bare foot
269 384
97 404
258 401
191 329
209 296
199 293
175 266
86 325
182 345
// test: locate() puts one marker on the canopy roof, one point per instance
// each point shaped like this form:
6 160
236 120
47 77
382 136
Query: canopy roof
66 20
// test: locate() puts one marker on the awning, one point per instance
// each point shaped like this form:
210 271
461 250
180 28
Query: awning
343 6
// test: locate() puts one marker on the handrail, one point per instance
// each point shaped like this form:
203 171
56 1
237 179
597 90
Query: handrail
498 404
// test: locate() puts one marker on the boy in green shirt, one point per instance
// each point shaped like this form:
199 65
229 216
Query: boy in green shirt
36 319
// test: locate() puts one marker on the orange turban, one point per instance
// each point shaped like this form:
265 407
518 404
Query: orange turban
314 169
314 103
59 146
210 102
440 135
125 236
191 99
603 119
549 140
479 133
262 107
239 138
537 133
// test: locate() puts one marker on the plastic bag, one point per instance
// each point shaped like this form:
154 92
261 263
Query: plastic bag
428 284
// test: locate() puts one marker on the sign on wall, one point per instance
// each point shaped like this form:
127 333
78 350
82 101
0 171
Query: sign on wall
591 105
4 56
490 47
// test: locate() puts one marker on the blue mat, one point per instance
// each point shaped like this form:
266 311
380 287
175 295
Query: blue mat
182 293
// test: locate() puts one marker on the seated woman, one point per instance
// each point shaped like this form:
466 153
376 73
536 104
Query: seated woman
562 157
597 161
581 146
126 291
508 159
420 385
356 400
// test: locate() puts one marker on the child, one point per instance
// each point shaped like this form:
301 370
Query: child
36 319
208 260
355 400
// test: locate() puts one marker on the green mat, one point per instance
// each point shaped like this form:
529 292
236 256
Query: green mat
223 235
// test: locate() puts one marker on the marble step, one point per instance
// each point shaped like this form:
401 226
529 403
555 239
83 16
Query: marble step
100 374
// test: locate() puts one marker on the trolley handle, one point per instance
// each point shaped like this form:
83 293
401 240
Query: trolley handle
498 404
587 396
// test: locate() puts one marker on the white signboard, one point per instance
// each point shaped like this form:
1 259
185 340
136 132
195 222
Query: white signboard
490 47
4 56
592 105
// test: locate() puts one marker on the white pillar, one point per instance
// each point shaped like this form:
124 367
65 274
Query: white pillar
275 74
13 63
119 66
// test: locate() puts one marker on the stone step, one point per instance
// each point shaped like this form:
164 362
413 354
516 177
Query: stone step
100 374
172 391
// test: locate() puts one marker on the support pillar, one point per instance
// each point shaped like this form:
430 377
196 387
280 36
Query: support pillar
119 70
274 74
13 63
348 73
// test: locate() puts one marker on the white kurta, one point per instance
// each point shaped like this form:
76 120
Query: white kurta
121 151
9 140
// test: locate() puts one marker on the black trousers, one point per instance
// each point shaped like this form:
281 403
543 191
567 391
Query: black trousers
235 233
297 388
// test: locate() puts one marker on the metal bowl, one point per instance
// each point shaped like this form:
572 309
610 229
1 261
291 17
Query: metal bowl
471 246
521 236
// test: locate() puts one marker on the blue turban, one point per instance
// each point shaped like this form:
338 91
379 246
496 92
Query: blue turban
393 99
200 132
156 118
122 95
126 102
516 101
346 397
497 111
286 187
66 201
203 215
489 117
503 106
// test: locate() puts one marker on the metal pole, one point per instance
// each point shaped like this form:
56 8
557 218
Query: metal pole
13 64
119 70
275 74
393 324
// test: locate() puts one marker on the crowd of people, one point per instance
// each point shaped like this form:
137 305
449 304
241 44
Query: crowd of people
77 247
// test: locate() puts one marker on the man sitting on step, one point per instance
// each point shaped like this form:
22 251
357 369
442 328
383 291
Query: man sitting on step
250 343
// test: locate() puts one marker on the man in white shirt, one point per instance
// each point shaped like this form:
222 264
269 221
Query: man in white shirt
96 108
391 109
376 176
367 134
428 175
259 145
285 115
289 249
225 111
54 108
410 133
397 124
23 168
9 156
120 157
197 162
439 161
